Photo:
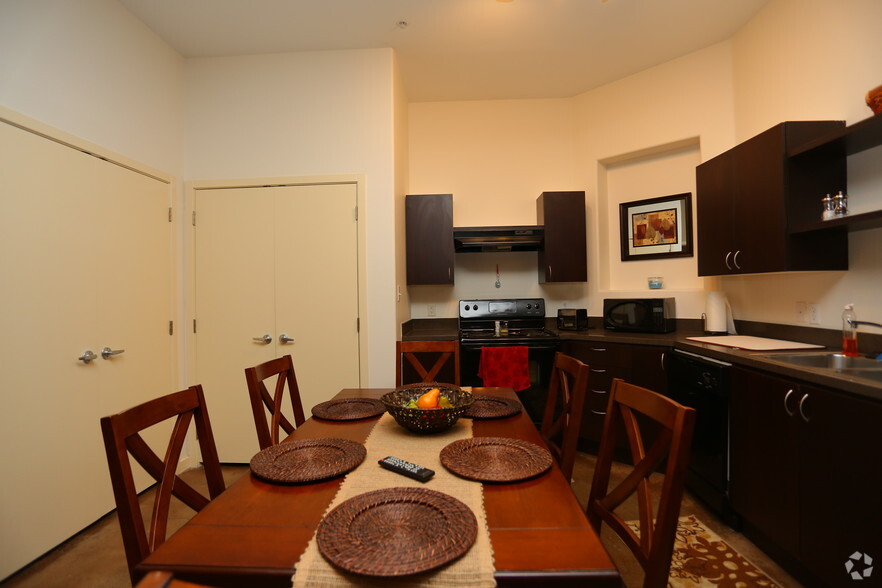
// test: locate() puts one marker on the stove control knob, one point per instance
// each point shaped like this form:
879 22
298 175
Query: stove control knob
467 307
529 306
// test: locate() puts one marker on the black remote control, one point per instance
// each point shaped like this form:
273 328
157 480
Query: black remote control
405 468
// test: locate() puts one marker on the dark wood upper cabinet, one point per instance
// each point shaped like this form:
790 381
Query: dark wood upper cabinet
564 256
747 196
429 238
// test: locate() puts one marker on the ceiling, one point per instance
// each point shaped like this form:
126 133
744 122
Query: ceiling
461 49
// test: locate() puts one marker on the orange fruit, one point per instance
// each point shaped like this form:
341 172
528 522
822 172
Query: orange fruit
429 399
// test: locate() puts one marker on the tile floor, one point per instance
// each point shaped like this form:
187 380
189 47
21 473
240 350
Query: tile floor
95 559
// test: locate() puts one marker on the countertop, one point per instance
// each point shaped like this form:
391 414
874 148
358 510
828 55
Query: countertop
446 329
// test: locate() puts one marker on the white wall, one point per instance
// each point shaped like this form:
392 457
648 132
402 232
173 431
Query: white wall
92 69
307 114
497 156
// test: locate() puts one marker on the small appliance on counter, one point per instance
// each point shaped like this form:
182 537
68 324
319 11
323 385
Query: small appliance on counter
639 315
572 319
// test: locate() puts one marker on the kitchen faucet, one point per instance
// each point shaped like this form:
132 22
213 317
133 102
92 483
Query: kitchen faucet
867 323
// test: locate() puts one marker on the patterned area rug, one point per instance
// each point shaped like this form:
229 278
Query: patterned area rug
701 558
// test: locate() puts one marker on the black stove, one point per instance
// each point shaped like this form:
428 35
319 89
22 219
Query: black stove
509 322
517 321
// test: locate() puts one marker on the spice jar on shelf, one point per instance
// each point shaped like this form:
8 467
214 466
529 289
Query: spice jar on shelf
840 204
829 210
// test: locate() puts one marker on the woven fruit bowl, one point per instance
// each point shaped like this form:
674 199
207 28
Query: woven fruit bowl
426 420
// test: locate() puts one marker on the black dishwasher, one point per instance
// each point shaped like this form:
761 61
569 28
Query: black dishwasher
702 383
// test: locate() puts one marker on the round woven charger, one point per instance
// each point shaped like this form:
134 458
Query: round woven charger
495 459
307 460
492 407
348 409
396 532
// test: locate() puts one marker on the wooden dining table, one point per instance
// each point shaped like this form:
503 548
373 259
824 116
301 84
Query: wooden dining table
255 532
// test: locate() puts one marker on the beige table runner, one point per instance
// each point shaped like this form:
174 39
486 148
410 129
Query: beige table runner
475 568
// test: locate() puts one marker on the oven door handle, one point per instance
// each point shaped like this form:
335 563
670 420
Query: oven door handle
531 346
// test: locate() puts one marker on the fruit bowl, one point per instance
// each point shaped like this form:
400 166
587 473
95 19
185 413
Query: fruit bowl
426 420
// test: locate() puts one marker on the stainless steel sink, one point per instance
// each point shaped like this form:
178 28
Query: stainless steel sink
866 374
835 361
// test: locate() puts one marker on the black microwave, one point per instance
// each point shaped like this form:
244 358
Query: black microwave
639 315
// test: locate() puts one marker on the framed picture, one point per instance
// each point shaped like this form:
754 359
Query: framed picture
657 227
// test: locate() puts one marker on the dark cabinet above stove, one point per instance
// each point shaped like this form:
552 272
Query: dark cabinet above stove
429 236
559 238
564 256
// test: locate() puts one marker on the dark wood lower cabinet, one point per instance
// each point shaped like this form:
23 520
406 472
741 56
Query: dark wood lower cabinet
637 364
806 475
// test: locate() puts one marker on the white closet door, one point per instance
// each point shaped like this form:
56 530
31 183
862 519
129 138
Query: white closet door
235 303
67 253
270 261
317 287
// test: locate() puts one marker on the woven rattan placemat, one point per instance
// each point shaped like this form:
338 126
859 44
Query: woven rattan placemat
474 569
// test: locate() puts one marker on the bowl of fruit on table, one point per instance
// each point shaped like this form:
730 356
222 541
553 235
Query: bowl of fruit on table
427 407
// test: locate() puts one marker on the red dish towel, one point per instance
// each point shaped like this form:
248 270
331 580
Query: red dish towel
505 367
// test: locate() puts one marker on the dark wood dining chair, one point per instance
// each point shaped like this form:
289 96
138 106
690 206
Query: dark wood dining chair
563 410
282 369
655 544
420 355
122 436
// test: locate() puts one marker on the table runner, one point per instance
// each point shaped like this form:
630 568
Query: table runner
474 569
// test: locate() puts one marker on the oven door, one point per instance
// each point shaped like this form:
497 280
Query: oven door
541 361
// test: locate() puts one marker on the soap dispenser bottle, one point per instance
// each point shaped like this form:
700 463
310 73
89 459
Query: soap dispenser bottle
849 331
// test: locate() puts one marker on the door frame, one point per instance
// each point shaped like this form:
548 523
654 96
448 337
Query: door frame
189 254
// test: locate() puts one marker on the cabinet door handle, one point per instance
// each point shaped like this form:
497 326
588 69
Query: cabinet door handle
787 408
735 259
802 402
593 391
448 272
600 412
598 371
601 349
728 254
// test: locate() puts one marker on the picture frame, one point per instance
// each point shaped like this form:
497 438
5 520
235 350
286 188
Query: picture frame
656 228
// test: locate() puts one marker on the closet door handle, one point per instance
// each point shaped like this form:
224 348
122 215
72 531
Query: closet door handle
87 356
107 352
266 339
283 338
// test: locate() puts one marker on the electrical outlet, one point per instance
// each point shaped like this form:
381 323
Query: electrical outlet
814 314
801 312
430 310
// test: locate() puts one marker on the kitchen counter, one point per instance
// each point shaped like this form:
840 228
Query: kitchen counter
447 329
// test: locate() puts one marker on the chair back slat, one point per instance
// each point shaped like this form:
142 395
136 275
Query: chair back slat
562 418
419 354
654 545
122 439
282 369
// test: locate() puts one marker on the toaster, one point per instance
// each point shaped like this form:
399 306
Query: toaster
572 319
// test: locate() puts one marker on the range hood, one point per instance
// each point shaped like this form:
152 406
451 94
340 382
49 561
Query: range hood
476 239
